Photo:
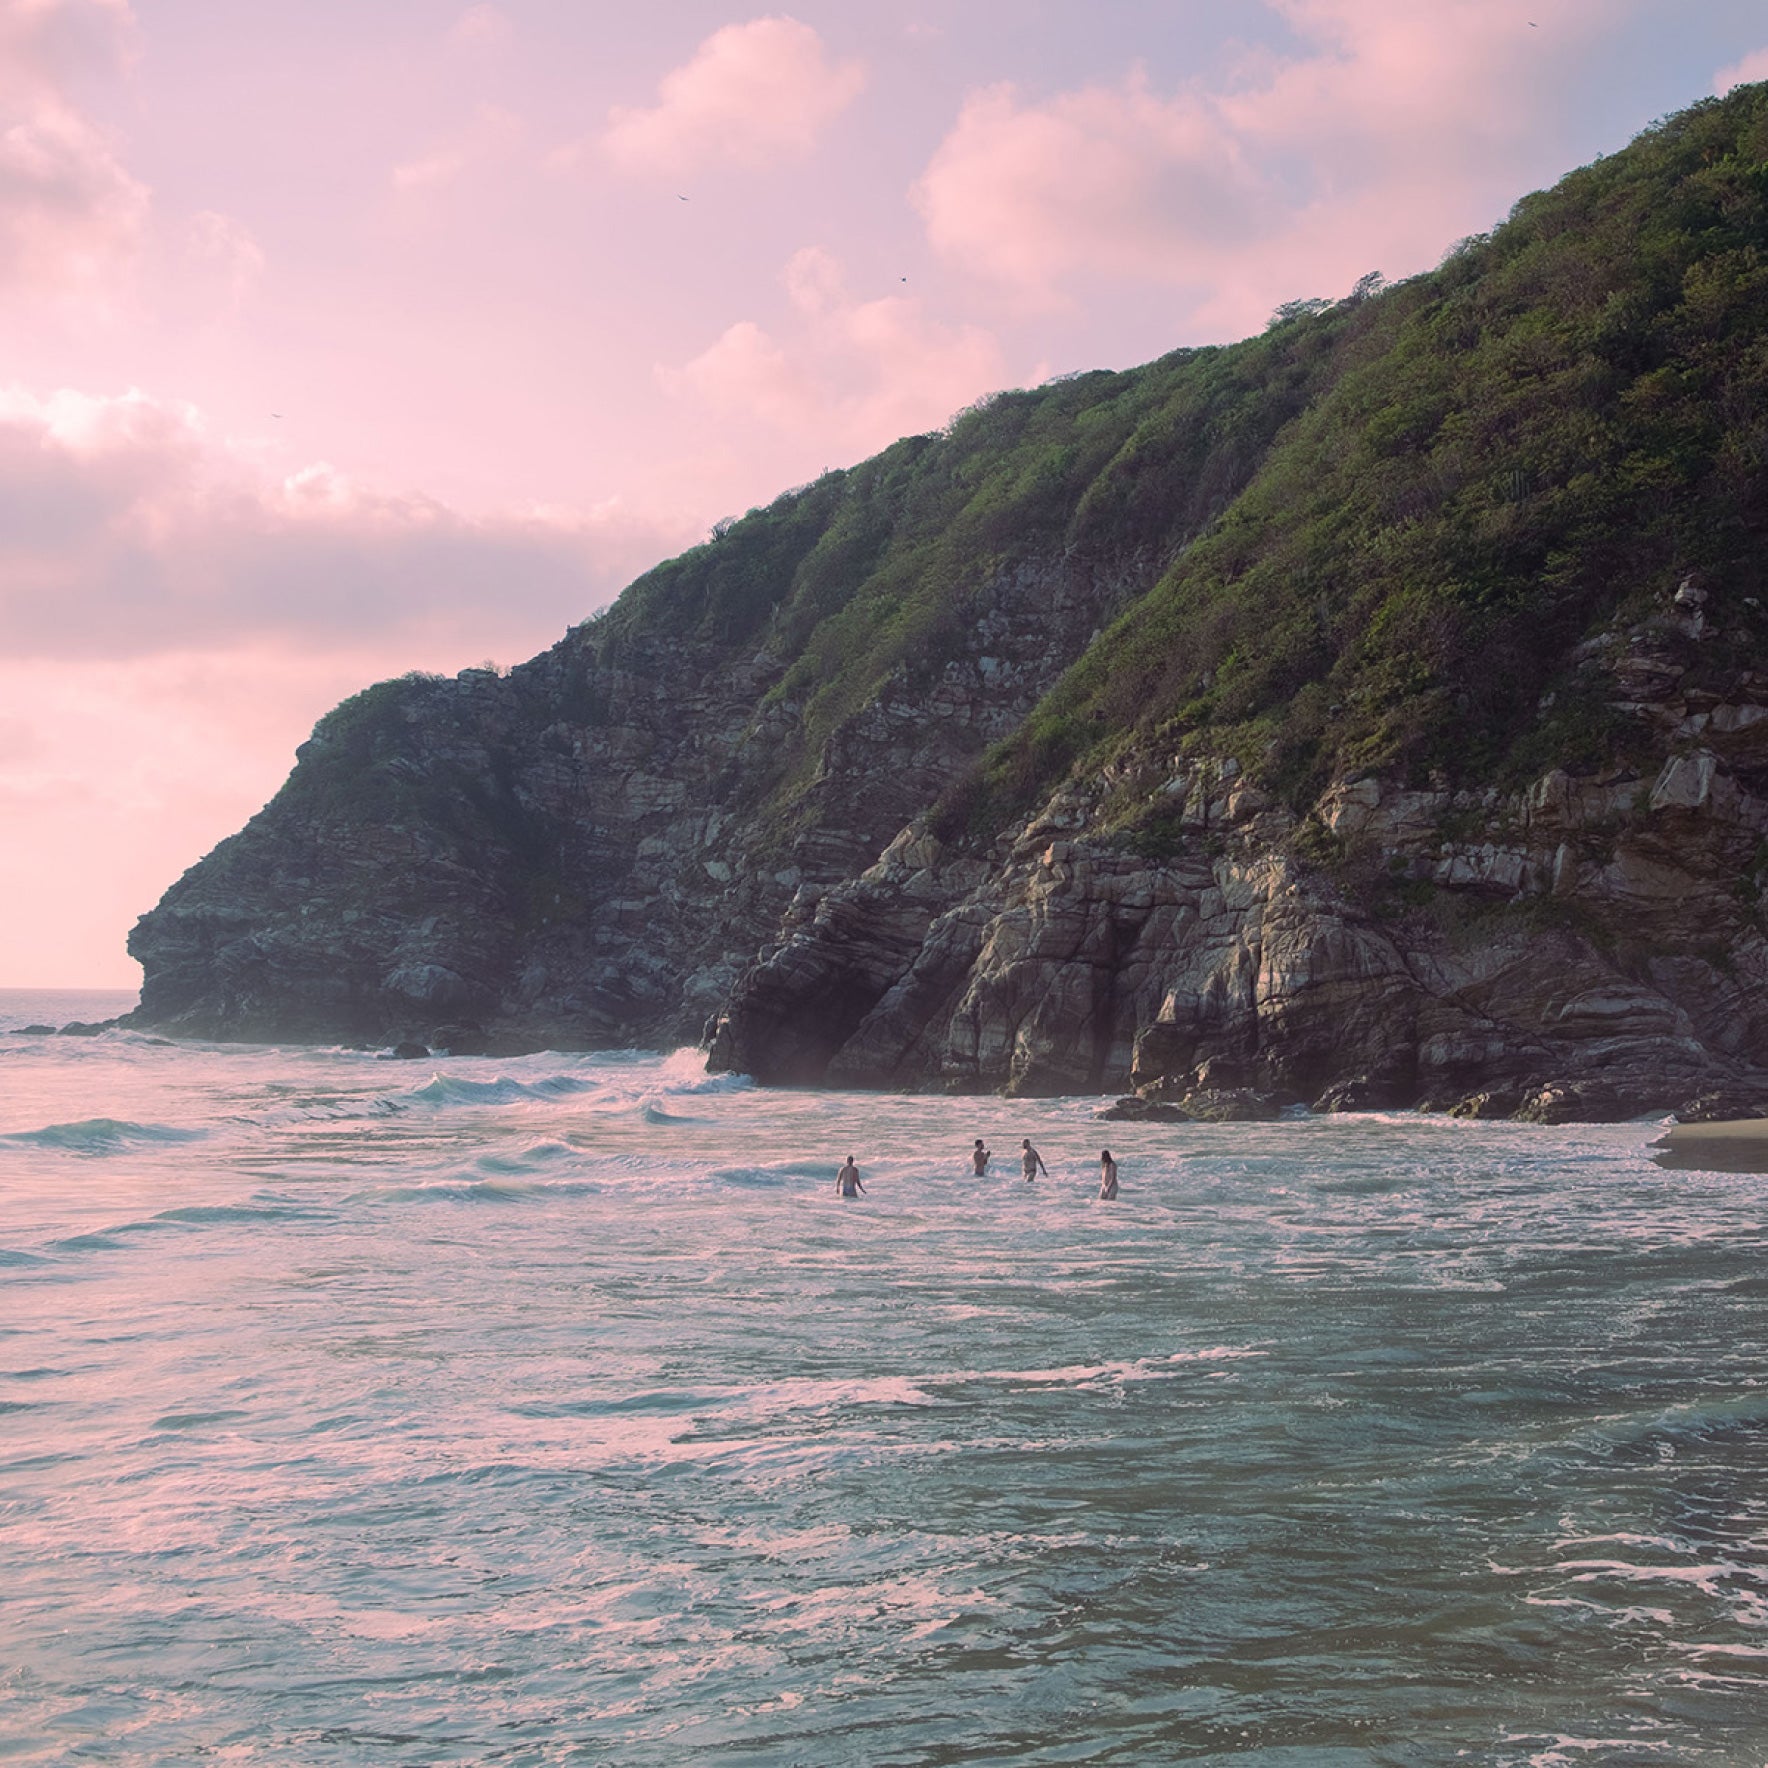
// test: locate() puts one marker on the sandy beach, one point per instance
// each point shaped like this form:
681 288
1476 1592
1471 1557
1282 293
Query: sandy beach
1733 1145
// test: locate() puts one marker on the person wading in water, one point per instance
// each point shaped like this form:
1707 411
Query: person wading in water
979 1158
847 1180
1107 1175
1031 1163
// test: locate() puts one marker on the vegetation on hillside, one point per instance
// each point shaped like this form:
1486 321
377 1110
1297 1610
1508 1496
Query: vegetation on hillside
882 569
1540 438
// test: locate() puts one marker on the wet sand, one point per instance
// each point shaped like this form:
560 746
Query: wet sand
1735 1145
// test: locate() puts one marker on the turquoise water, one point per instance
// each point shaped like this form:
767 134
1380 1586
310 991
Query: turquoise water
557 1411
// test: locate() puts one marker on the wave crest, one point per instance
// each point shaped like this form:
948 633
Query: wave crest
100 1135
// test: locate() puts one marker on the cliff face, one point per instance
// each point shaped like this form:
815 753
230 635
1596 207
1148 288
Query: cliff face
1582 948
1370 713
587 852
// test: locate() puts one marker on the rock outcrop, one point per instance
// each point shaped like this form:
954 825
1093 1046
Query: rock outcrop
587 852
1588 947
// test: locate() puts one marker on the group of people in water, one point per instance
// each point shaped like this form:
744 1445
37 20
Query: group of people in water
1031 1163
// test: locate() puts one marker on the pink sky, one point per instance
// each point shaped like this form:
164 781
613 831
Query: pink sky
337 341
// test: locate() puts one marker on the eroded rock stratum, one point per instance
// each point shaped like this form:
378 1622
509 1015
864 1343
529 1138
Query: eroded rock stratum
1586 947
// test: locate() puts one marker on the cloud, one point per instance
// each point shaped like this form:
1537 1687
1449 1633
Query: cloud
45 43
1392 129
128 528
852 375
71 215
1742 73
752 93
1114 180
441 167
480 28
226 248
490 135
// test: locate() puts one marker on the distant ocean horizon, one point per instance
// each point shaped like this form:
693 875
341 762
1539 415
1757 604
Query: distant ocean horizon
556 1410
60 1006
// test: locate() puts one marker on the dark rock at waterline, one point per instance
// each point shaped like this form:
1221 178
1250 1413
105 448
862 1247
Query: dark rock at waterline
1581 1102
1134 1110
33 1031
86 1028
1731 1106
1493 1103
1361 1093
1231 1105
409 1052
460 1040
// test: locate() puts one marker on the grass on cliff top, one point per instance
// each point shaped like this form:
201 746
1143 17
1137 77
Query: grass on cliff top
1544 436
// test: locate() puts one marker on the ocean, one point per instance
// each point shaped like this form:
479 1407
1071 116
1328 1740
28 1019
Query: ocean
556 1410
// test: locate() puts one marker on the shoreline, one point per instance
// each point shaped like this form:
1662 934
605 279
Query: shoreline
1727 1145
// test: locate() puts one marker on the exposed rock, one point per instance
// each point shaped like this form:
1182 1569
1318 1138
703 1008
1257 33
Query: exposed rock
33 1031
1361 1093
1724 1107
1132 1109
1487 1105
1232 1105
1595 956
407 1051
588 851
1563 1102
86 1028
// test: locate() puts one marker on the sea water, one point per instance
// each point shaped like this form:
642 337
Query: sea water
557 1410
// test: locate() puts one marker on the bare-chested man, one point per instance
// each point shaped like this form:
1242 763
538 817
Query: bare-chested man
1031 1163
979 1158
847 1180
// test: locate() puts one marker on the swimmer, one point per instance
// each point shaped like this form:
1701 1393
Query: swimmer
847 1180
979 1158
1107 1175
1031 1163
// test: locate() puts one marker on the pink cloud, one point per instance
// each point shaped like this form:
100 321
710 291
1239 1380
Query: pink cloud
44 43
1394 131
480 28
1751 68
127 527
851 375
71 215
752 93
226 249
1114 180
490 135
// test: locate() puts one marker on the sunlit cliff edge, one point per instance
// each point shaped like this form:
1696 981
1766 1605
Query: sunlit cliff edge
1371 713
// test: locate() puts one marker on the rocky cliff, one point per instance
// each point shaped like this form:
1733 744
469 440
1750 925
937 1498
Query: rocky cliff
1585 947
587 851
1374 712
